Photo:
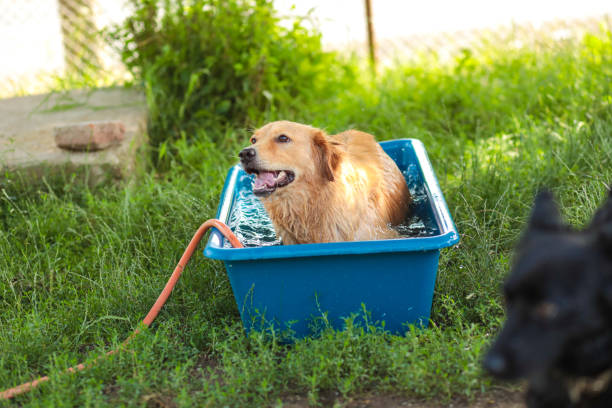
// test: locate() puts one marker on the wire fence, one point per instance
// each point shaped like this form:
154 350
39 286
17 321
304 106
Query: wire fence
80 36
534 36
44 40
62 38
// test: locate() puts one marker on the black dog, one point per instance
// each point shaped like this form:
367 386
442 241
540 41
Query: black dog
558 332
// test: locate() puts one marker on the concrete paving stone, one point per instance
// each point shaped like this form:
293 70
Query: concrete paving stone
28 128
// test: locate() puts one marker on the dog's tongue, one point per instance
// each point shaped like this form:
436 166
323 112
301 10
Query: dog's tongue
265 179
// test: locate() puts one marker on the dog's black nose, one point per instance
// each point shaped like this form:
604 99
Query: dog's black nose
495 364
246 155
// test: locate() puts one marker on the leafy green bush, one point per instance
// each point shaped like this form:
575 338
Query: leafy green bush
222 62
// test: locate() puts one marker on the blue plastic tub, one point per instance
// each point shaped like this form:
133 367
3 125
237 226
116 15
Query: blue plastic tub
297 285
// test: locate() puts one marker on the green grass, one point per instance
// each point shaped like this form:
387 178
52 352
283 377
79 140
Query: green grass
80 267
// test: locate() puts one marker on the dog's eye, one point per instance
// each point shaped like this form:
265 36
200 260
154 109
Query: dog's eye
283 138
546 311
253 140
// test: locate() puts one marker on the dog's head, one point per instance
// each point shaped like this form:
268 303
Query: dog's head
284 154
558 295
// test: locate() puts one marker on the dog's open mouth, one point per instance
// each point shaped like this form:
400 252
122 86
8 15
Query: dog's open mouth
266 181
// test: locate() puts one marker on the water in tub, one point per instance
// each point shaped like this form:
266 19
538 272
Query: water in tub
253 227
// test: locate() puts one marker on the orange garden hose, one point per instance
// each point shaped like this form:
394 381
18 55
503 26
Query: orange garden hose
159 303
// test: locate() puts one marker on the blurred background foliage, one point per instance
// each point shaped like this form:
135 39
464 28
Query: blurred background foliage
222 67
220 63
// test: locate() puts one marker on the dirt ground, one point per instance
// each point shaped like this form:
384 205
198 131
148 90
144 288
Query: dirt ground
497 399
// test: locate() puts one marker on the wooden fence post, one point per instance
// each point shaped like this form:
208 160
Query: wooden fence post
371 43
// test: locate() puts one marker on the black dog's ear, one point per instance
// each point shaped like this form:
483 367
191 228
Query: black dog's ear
604 214
604 235
605 297
602 224
545 213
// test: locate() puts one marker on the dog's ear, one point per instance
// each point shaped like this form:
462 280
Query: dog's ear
545 213
604 214
327 156
601 225
604 237
605 297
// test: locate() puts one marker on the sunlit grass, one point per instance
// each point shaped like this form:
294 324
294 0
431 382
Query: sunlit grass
80 267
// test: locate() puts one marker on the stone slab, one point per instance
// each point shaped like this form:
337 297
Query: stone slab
27 129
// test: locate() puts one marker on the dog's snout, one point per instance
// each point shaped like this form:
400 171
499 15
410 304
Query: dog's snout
247 154
496 364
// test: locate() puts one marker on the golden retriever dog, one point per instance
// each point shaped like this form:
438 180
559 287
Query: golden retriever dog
321 188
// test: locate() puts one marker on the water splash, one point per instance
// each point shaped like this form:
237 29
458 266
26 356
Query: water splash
421 222
251 224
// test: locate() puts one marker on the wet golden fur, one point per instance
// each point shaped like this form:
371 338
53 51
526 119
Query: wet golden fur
346 187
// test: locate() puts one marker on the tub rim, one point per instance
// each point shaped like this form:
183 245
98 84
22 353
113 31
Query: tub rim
448 231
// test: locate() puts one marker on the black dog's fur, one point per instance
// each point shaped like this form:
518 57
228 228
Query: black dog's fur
558 332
